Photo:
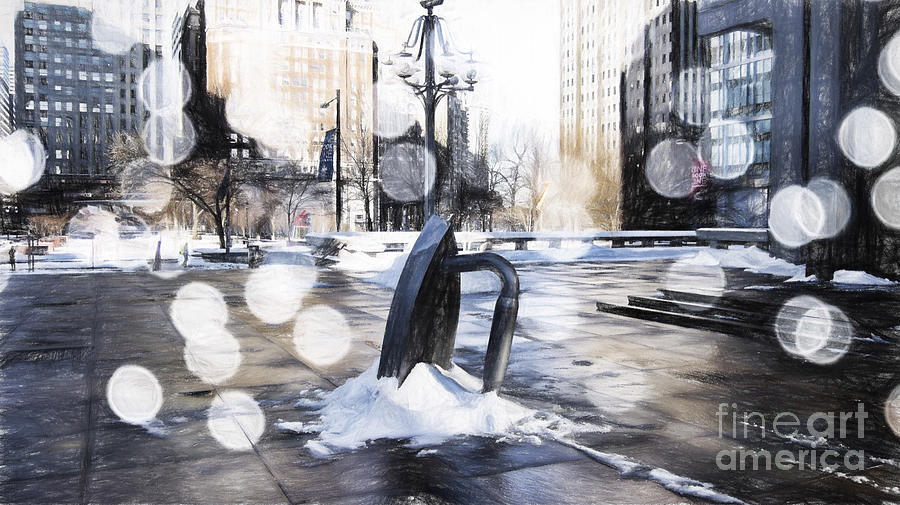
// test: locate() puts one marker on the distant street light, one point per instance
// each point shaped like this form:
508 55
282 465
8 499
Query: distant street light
422 39
338 198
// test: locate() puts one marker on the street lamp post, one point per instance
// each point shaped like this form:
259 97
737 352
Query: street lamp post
338 197
427 31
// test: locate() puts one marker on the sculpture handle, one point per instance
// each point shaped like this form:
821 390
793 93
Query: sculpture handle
505 311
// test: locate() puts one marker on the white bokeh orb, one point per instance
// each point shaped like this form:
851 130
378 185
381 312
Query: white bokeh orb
23 160
867 137
235 420
274 293
796 216
669 168
134 394
321 335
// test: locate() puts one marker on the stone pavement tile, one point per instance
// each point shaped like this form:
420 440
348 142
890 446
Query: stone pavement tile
695 458
528 328
825 490
230 477
42 398
33 335
123 446
383 470
140 348
41 491
591 324
578 482
29 457
475 456
285 371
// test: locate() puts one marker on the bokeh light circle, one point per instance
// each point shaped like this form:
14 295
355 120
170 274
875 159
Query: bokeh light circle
134 394
686 276
321 335
165 86
796 216
889 65
169 138
813 330
404 172
274 293
23 160
886 198
198 311
215 358
235 420
892 411
836 206
736 150
867 137
670 166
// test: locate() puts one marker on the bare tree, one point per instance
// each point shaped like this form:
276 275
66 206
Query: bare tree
604 205
520 173
359 147
511 172
211 184
296 188
536 181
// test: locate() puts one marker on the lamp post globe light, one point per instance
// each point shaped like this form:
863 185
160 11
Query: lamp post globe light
430 34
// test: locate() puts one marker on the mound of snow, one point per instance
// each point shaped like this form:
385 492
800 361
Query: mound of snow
751 259
860 278
431 406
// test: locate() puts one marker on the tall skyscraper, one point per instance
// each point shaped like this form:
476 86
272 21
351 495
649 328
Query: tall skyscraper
595 45
624 66
73 95
275 62
6 113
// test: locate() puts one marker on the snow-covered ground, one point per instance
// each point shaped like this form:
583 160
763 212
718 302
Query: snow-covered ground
385 268
108 252
112 253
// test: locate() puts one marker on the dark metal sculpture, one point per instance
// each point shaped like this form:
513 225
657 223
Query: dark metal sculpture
421 327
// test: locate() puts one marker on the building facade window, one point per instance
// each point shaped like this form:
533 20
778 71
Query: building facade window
738 145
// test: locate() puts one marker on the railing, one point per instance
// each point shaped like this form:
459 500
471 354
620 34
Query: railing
374 243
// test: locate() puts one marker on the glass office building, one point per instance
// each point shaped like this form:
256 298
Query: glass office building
70 93
738 143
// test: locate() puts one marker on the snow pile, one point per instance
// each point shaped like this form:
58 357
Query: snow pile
751 259
431 406
435 405
860 278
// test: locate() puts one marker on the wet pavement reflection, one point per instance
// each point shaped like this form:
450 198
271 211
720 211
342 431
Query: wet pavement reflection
658 388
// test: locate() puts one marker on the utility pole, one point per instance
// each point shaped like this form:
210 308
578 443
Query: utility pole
338 182
338 197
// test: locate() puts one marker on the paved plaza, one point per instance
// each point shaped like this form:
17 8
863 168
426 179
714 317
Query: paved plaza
655 388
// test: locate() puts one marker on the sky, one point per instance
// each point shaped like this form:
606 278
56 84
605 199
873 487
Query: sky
516 41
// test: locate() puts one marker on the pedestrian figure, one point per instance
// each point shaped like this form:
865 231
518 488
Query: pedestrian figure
184 252
157 260
12 258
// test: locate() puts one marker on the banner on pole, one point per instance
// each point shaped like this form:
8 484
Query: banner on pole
326 158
